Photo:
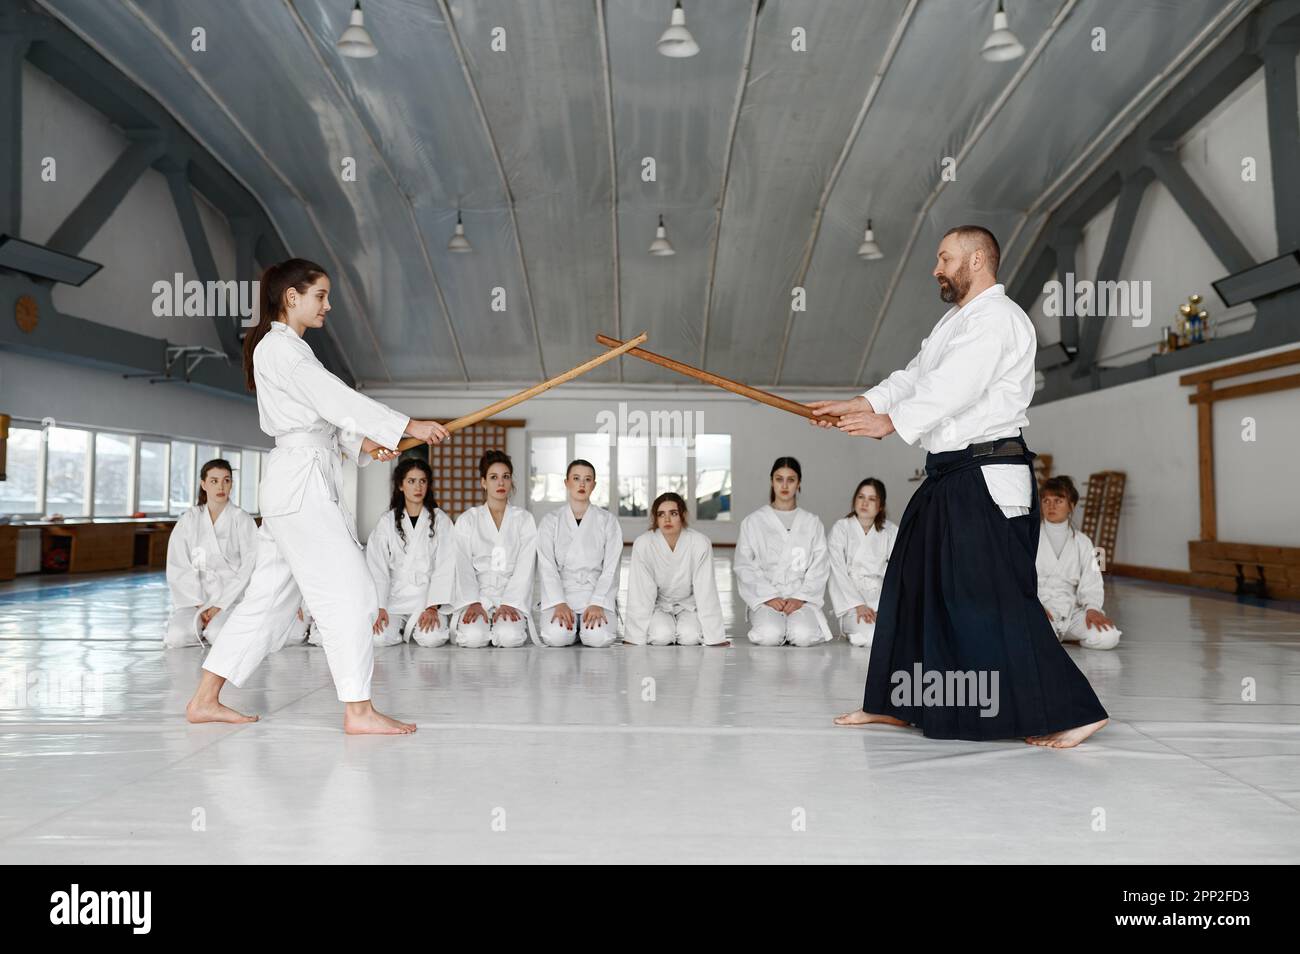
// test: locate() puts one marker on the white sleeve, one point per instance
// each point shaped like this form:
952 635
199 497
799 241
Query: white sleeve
356 415
182 576
752 582
896 387
844 596
707 605
442 582
642 594
548 572
965 370
519 591
232 591
605 595
466 577
1092 588
812 589
377 558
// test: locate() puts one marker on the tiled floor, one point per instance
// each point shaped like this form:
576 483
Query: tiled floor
562 754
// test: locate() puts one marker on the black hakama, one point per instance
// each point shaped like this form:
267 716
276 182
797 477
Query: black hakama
960 601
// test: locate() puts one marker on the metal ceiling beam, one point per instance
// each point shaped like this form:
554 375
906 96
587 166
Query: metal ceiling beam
392 177
741 86
1218 235
819 213
13 48
613 174
67 55
83 222
501 171
1283 139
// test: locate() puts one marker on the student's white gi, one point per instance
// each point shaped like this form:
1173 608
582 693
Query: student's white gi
208 564
495 568
858 563
413 574
672 596
774 563
307 540
577 564
1069 586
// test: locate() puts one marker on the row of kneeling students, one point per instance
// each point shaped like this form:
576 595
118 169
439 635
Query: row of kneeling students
470 582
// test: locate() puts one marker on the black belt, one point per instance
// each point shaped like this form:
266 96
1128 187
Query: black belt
1003 447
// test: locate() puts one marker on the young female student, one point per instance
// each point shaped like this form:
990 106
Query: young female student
860 544
1069 581
412 558
781 565
579 546
671 593
210 558
497 551
307 541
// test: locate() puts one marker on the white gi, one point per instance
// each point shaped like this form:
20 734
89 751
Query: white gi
1070 584
970 383
775 563
208 564
858 563
495 568
412 574
577 564
308 538
672 596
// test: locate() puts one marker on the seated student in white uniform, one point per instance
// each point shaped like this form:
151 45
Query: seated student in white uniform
671 593
411 554
1070 586
781 565
859 545
579 546
210 558
496 555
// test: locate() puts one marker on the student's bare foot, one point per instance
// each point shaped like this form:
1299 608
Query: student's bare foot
214 711
374 722
1067 738
858 717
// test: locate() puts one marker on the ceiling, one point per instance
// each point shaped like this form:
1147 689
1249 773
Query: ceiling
769 162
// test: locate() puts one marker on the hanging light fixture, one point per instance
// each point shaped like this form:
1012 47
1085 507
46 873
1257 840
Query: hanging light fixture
677 40
661 245
1002 44
355 41
869 251
459 243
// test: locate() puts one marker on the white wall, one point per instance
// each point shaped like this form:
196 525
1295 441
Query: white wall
74 395
1148 430
141 243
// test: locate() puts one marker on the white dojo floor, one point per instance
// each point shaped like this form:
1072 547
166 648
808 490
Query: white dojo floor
556 747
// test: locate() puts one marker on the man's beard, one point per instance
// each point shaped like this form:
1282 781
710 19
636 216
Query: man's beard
956 287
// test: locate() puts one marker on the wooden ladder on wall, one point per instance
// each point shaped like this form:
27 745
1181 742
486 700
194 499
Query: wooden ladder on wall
1101 510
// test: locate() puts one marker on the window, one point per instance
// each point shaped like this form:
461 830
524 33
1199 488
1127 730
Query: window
633 476
670 467
21 492
153 477
713 476
67 472
595 448
184 476
236 459
114 460
546 468
251 476
206 453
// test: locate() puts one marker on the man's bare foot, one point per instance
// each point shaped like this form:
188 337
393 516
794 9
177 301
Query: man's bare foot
858 717
374 722
1067 738
214 711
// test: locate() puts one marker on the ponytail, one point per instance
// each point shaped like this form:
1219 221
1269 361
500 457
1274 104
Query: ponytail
295 273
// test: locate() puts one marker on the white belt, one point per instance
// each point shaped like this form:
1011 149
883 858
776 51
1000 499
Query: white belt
307 439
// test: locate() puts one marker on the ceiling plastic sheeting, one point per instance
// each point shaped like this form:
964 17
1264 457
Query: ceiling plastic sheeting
542 278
